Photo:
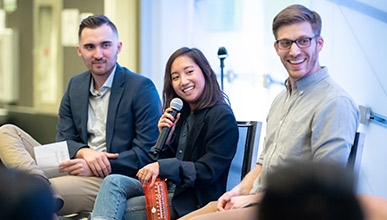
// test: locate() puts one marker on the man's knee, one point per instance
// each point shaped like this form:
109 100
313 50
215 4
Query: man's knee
78 193
213 205
8 128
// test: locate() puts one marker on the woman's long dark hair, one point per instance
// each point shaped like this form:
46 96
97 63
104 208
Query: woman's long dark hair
212 94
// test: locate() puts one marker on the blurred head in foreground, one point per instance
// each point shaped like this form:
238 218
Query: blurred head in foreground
310 191
24 196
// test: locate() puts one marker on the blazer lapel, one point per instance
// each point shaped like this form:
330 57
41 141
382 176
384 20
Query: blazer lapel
116 93
83 97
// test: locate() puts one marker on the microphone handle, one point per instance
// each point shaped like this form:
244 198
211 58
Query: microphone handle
154 152
162 138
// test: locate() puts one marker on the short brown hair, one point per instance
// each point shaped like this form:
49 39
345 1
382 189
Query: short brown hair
95 21
297 14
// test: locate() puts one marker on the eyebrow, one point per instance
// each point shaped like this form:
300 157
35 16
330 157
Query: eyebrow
87 45
103 42
184 69
300 37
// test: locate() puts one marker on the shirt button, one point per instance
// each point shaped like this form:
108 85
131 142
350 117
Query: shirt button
180 151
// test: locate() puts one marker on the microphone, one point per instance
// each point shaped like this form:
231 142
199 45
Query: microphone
176 105
222 54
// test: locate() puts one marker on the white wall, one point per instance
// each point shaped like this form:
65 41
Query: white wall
124 14
354 33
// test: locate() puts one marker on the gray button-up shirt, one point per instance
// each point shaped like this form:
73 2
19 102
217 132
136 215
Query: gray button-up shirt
316 121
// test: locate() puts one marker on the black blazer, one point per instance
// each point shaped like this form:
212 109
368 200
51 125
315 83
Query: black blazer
201 176
131 126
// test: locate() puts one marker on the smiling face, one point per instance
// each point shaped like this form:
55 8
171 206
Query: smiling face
299 62
187 79
99 48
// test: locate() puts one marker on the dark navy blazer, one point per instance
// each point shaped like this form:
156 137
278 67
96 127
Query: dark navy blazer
131 125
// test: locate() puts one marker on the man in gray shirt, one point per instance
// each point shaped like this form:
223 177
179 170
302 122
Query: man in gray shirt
312 119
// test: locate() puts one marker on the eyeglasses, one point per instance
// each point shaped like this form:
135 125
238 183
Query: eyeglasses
301 43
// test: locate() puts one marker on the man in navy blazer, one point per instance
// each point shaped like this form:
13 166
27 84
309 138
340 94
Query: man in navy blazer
108 116
134 110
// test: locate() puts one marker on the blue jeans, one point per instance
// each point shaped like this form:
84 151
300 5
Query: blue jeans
122 197
110 203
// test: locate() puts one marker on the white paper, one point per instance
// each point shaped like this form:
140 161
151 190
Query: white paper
49 156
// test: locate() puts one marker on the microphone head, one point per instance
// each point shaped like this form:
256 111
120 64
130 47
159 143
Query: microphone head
176 104
222 53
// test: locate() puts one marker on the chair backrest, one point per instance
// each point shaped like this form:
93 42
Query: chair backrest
247 150
355 155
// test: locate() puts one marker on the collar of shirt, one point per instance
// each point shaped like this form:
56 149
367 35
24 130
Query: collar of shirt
107 85
304 83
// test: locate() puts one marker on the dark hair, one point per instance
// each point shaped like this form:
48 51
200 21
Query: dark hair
212 94
297 14
95 21
24 196
310 190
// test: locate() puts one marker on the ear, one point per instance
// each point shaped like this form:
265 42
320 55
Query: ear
119 47
320 43
79 50
275 46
